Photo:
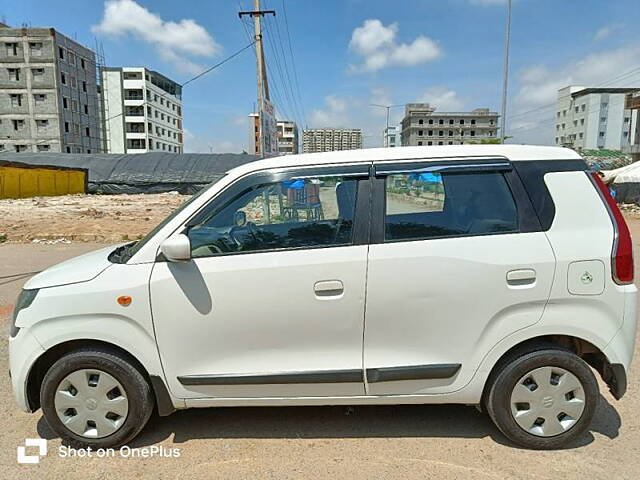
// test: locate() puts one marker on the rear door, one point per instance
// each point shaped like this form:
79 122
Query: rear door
457 262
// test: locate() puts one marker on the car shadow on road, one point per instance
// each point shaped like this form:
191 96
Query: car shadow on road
428 421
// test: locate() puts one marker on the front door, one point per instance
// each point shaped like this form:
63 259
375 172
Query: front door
272 302
457 263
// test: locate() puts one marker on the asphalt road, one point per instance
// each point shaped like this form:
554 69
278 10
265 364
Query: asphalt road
316 442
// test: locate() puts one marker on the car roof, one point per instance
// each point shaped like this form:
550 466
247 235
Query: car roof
453 152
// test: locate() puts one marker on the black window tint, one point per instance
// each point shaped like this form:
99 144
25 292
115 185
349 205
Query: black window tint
297 213
427 205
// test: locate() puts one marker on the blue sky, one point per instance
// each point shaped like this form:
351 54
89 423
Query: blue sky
351 53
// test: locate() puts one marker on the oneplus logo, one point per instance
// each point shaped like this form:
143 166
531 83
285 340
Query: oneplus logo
41 443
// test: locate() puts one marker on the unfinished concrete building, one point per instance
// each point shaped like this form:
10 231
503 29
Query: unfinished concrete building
48 93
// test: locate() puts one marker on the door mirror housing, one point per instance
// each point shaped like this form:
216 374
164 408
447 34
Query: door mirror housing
177 248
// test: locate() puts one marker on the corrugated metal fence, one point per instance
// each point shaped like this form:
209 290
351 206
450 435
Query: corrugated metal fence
19 180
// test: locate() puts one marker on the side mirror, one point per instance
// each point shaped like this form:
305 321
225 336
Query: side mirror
177 248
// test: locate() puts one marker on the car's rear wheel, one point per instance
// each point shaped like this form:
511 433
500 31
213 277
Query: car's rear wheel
95 398
543 399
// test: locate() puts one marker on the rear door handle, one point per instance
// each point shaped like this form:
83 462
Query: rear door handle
525 276
328 288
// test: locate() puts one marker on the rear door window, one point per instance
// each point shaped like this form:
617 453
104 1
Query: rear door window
431 205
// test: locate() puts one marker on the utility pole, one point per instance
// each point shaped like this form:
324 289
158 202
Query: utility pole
507 36
261 71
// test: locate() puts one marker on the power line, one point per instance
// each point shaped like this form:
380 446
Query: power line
293 63
164 95
625 75
286 69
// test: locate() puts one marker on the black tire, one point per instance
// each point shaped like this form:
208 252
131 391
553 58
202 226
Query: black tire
509 372
138 393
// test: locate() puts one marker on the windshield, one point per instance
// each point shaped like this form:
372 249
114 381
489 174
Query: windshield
123 253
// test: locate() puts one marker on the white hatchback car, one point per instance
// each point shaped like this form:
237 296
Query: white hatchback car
487 275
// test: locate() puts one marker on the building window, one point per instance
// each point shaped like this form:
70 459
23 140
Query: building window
72 58
44 148
626 119
41 124
462 121
84 86
430 121
583 107
16 99
420 133
430 133
63 78
87 132
65 102
441 122
420 122
1 147
580 135
450 143
577 109
68 149
35 49
14 74
472 133
148 110
21 148
61 55
88 150
74 105
451 133
601 134
157 145
86 109
12 49
429 143
419 144
66 129
473 121
76 129
74 82
17 125
451 121
441 133
37 74
82 65
582 121
440 143
161 101
155 97
39 98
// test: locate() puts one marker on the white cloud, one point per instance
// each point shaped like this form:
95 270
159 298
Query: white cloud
533 105
333 114
606 31
442 99
198 144
377 47
173 40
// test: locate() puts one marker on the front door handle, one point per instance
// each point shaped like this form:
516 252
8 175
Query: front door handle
525 276
328 288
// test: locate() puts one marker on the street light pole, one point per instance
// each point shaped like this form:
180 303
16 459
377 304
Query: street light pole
503 120
388 107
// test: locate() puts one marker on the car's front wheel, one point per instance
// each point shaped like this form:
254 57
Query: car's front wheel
543 399
95 398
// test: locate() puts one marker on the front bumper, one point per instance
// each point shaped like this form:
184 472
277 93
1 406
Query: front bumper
24 350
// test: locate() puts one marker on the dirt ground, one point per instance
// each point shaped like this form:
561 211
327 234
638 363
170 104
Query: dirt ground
310 442
88 218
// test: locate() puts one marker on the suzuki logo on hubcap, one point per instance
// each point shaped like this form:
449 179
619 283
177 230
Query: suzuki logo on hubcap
547 402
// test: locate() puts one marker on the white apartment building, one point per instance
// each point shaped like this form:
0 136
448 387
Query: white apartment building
423 125
331 139
391 137
595 118
287 137
142 111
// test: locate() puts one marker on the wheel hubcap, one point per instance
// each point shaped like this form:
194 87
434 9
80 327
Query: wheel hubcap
91 403
547 401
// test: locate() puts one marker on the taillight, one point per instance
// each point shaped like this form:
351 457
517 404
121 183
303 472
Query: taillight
622 253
